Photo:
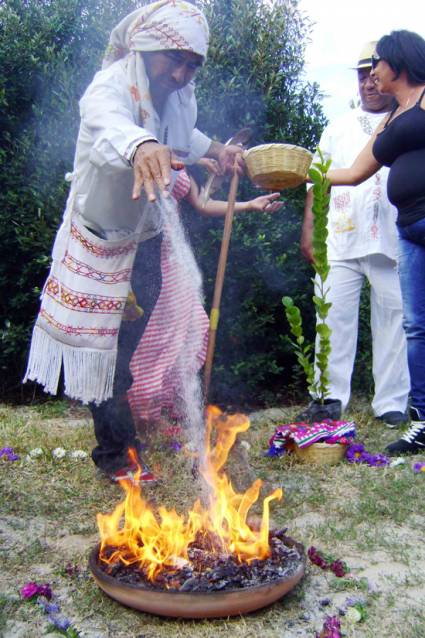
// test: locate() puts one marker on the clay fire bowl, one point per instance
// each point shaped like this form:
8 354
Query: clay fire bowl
176 604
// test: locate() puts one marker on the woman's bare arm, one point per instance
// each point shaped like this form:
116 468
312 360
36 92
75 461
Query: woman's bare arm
363 167
215 208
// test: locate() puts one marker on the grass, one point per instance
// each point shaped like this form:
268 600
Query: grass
370 517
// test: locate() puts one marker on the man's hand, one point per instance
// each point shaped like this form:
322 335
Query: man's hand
227 155
152 166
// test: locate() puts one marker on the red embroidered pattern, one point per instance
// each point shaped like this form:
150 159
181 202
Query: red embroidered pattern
342 200
167 35
100 251
84 270
83 302
78 330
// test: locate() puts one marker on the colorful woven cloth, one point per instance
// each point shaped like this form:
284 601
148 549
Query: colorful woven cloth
174 345
305 434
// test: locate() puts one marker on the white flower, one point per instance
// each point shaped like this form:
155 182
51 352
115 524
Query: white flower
245 445
58 453
353 615
35 453
398 461
78 454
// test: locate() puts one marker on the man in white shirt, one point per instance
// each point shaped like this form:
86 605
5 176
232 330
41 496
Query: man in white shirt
138 120
362 243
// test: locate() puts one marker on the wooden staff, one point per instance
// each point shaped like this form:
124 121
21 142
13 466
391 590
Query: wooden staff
219 280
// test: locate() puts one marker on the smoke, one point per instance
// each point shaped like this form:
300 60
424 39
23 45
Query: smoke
193 320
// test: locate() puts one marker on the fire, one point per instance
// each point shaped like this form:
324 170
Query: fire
135 533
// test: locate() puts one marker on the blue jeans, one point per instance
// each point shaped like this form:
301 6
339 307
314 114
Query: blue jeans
412 282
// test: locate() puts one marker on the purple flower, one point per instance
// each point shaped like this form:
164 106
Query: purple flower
325 602
355 600
355 452
275 450
419 467
9 454
377 460
72 570
176 446
29 590
60 622
45 590
49 608
332 622
312 551
331 628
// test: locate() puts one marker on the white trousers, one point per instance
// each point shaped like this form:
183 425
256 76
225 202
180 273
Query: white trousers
389 356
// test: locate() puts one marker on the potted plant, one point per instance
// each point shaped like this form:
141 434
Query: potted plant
316 372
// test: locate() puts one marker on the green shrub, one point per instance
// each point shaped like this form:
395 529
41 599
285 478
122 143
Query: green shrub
254 78
49 50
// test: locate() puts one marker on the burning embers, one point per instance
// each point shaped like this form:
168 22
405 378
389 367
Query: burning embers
207 569
210 549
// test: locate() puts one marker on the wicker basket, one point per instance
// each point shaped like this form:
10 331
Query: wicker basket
321 453
277 166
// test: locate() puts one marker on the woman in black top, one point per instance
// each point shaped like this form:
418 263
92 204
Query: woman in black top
398 69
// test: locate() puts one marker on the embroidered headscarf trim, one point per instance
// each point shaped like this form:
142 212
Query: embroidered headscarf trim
161 26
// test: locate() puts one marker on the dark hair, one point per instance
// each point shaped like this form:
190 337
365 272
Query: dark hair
197 173
404 50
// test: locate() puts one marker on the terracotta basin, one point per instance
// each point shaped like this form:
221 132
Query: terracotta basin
178 604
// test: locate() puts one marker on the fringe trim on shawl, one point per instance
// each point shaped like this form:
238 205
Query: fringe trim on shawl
89 374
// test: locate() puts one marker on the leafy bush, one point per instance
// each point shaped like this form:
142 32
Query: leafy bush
49 50
254 78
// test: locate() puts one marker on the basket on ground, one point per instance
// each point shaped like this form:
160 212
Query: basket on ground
277 166
321 453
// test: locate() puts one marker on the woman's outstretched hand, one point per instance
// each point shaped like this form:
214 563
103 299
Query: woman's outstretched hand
265 203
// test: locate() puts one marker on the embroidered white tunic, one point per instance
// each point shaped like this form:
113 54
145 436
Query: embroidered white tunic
361 219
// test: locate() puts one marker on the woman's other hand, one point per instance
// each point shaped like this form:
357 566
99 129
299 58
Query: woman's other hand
211 165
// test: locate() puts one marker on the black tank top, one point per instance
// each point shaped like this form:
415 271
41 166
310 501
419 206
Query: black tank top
401 146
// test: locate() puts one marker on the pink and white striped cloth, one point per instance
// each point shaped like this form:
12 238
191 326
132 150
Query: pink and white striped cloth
174 344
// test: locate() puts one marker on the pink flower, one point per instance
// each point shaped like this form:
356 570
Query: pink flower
331 628
29 590
339 568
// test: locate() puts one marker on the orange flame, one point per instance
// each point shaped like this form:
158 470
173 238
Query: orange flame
137 534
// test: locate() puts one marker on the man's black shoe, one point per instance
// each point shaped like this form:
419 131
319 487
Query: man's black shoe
393 419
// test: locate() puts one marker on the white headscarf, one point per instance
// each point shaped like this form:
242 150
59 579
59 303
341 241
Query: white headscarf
160 26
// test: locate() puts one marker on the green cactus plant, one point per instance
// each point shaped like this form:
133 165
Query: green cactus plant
318 384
